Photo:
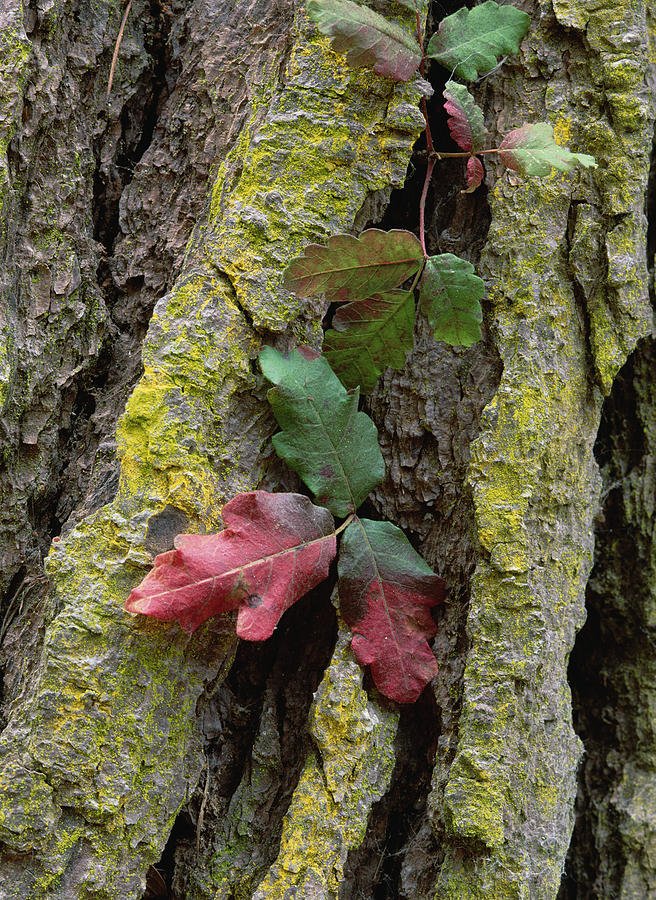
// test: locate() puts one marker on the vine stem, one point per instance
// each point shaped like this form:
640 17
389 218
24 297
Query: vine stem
422 205
429 143
438 154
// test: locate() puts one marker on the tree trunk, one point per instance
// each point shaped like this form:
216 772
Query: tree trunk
144 230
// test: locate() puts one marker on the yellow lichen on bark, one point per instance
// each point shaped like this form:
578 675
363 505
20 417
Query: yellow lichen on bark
104 747
354 737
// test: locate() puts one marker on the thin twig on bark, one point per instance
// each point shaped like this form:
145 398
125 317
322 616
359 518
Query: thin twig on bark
117 47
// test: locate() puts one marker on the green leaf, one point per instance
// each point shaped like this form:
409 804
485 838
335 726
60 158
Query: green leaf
350 268
466 122
532 150
450 296
333 447
472 41
370 335
386 591
367 38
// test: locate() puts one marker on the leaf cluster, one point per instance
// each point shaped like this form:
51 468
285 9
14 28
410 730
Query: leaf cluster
277 547
374 329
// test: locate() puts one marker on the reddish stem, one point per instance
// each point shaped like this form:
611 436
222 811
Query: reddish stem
438 154
422 205
429 144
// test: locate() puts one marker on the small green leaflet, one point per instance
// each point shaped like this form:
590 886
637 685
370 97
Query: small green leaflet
472 41
369 336
332 446
350 268
466 122
532 150
450 296
367 38
386 591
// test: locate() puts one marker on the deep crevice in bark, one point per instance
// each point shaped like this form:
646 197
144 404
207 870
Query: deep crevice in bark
609 649
118 363
400 854
609 670
374 869
255 729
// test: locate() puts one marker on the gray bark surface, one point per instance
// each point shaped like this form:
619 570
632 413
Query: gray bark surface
143 236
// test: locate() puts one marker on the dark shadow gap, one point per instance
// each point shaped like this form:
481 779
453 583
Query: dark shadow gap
612 649
612 652
256 733
400 854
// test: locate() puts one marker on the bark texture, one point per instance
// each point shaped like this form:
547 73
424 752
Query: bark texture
144 235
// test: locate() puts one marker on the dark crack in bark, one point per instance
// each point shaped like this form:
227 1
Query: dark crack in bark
427 416
256 733
612 672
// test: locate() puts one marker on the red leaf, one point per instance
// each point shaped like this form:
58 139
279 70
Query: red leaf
273 550
475 174
386 591
466 122
308 352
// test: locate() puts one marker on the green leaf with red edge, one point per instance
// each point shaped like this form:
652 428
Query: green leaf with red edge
370 335
347 268
465 119
471 42
450 296
368 39
475 174
273 550
386 591
532 150
333 447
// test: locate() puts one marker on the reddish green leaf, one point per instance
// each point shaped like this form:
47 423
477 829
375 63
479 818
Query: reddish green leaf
350 268
471 42
450 296
386 591
273 550
332 446
466 122
475 174
532 150
369 336
367 38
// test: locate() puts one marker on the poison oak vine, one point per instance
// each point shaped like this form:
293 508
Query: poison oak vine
276 547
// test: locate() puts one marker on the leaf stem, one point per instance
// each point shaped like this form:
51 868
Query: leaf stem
438 154
345 524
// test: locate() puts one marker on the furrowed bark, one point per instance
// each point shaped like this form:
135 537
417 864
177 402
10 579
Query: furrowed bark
101 751
232 137
569 300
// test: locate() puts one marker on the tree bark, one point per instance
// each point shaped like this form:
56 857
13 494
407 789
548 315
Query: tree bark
144 233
